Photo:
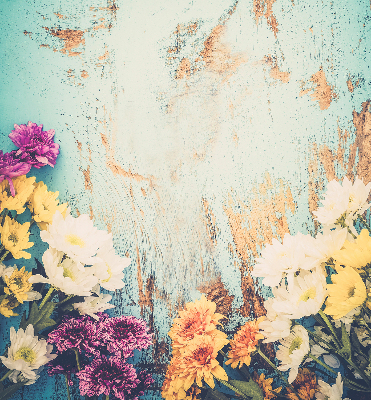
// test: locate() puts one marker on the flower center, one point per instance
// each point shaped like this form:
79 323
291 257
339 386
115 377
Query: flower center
351 291
68 273
74 240
296 343
26 354
109 270
203 355
13 238
308 294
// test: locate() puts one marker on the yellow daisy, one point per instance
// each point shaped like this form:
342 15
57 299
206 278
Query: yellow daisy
43 205
355 254
6 307
23 187
244 343
14 237
266 385
17 284
346 292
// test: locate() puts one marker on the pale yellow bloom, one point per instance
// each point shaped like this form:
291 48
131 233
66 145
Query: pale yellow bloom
14 237
18 284
6 307
43 205
23 187
346 292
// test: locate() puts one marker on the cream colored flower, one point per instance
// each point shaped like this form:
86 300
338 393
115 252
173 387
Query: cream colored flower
94 304
328 392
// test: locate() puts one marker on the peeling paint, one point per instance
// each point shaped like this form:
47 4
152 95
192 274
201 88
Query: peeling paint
72 39
263 8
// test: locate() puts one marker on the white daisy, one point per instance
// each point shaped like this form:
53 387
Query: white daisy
77 237
27 354
94 304
292 351
109 270
65 274
346 200
305 297
328 392
284 259
275 326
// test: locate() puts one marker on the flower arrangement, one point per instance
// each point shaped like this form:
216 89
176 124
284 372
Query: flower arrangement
66 307
318 319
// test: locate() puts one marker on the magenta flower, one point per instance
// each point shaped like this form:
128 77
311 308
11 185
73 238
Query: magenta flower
145 381
126 333
11 167
36 146
108 376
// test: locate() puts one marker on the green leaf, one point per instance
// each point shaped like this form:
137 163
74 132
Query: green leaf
10 390
40 319
355 342
213 394
249 388
345 351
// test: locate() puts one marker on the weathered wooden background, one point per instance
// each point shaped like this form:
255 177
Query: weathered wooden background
195 131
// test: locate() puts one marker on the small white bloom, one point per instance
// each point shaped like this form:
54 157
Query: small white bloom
305 297
275 326
65 274
109 269
6 271
292 351
284 259
94 304
27 354
77 237
328 392
346 200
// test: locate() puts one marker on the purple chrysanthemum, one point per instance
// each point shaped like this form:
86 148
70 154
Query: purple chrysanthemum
105 376
77 333
11 167
36 146
125 334
145 381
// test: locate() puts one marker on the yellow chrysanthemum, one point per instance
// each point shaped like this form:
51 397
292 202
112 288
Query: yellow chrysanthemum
17 284
14 237
6 307
23 187
266 385
244 343
346 292
305 384
43 205
197 318
355 254
198 361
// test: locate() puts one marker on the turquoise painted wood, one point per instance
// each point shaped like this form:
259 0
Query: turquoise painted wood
195 131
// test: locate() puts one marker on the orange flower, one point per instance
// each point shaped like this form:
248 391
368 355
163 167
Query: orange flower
244 343
266 385
172 386
197 318
305 384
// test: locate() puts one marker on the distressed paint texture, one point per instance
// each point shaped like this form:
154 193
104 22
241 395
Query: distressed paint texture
195 132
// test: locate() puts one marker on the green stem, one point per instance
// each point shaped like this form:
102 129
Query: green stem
364 222
329 325
68 388
66 299
107 397
77 359
321 363
267 360
50 291
360 372
3 257
320 340
6 375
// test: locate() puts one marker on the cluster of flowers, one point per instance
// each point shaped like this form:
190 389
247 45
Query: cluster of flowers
328 277
80 260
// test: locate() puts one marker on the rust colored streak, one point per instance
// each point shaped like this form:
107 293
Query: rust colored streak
217 56
101 26
79 146
211 228
84 74
27 33
314 184
362 123
253 302
60 16
104 56
216 292
44 45
350 85
72 39
264 8
91 213
275 73
322 91
327 160
184 69
88 184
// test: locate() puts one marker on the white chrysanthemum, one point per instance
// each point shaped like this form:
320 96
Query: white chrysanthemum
284 259
6 271
275 326
292 351
109 270
27 354
346 200
94 304
77 237
65 274
305 297
328 392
